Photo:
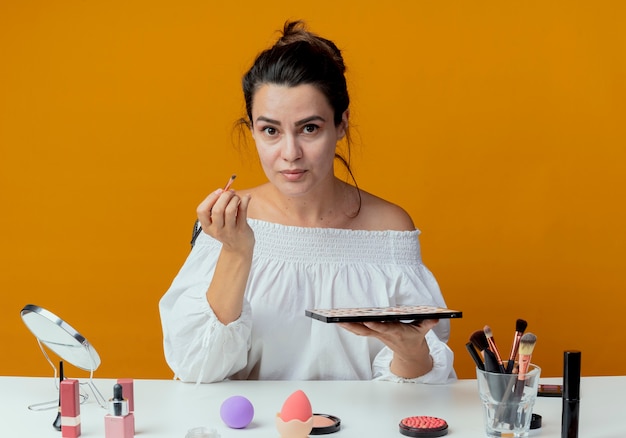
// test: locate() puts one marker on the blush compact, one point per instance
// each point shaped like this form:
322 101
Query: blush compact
423 426
324 424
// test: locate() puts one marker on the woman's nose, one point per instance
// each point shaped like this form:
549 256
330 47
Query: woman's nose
291 150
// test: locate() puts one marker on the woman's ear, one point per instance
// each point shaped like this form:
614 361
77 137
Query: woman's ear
343 126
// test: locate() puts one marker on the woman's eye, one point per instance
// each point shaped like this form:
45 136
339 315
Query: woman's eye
268 130
310 129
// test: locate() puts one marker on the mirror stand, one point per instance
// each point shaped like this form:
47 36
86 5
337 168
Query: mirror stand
68 344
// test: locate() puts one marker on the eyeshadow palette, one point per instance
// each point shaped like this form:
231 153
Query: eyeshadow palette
402 313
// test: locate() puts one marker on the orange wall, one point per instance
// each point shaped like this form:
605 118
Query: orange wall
499 127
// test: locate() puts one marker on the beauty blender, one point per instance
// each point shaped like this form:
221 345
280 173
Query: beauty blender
295 420
237 412
296 407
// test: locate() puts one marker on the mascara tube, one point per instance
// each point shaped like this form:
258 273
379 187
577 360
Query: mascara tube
571 394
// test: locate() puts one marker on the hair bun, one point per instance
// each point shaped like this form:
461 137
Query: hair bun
296 32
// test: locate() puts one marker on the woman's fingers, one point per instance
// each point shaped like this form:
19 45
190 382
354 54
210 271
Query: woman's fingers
224 210
205 209
242 213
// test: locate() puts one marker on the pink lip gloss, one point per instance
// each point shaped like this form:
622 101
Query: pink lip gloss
118 423
70 409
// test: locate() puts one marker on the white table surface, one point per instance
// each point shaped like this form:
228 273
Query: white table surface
167 408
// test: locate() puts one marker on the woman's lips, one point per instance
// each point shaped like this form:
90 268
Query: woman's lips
293 175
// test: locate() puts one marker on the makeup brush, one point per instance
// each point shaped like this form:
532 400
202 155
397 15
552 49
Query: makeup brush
493 347
475 356
57 421
230 181
520 328
479 340
526 347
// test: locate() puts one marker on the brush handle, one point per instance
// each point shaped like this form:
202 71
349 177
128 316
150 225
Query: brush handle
492 346
57 421
524 362
504 413
497 387
491 362
513 355
475 356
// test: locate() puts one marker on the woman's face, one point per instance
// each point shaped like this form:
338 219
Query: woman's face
295 136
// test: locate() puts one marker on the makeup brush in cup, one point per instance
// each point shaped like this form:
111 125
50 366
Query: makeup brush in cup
520 328
492 346
479 340
475 356
526 347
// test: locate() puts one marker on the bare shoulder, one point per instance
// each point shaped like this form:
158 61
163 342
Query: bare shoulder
260 207
379 214
257 192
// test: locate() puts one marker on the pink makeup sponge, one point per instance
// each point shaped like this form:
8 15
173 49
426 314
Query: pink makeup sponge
296 407
237 412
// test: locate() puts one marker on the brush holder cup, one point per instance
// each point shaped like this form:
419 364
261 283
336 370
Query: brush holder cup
508 401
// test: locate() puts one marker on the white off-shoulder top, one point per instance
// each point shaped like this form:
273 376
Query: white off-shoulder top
295 269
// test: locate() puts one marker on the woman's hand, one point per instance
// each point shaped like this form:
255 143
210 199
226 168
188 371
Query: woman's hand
223 216
411 355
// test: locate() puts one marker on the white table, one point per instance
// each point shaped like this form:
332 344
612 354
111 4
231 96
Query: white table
167 408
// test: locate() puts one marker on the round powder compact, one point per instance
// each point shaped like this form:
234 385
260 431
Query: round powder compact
423 426
324 424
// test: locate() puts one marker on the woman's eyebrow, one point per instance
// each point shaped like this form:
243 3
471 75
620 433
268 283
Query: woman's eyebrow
267 120
298 123
310 119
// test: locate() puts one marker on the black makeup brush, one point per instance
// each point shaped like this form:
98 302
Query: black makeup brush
492 346
520 328
57 421
479 340
475 356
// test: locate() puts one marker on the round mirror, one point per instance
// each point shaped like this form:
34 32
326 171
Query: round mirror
60 337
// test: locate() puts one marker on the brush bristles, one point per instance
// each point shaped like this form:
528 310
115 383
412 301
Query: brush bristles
488 331
527 344
479 340
520 325
230 181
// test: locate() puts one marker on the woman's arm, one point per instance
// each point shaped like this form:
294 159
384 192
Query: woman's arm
206 322
197 346
442 370
223 216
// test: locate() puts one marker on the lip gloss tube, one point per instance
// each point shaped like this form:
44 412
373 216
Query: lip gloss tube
571 394
70 408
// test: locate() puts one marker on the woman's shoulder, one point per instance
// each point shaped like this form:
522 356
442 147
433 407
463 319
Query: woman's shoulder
379 214
374 214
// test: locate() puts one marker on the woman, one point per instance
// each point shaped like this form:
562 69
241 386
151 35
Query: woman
303 240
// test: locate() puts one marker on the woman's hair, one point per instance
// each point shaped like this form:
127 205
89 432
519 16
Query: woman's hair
301 57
